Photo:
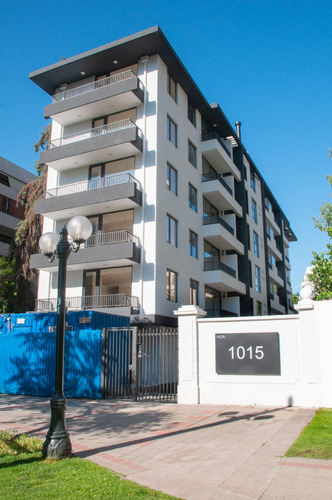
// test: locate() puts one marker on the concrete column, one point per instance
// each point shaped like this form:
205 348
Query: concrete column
188 387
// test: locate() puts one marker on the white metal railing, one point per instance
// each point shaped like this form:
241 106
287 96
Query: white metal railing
90 302
79 187
111 238
94 132
88 87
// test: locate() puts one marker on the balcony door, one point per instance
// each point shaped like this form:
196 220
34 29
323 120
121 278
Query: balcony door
111 227
107 287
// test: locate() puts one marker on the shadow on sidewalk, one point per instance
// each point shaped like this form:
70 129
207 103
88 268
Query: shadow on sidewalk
265 415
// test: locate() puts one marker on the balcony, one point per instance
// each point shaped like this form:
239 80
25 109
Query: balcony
275 276
215 151
275 304
114 249
221 234
122 303
272 245
114 140
272 222
108 194
222 277
116 92
8 223
218 192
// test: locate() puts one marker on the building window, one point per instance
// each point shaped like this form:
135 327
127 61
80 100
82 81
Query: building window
192 154
172 89
191 113
211 256
212 302
270 233
4 179
192 198
254 210
172 229
172 132
259 308
252 180
193 292
256 244
5 206
272 260
193 244
258 279
172 179
171 285
268 205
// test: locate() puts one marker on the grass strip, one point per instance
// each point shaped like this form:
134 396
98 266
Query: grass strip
315 441
25 474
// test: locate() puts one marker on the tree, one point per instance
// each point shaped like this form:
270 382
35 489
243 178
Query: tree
321 274
8 291
321 270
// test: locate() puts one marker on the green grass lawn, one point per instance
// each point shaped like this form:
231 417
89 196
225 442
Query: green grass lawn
25 474
315 441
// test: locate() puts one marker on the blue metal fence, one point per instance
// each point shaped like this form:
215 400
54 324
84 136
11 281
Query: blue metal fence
27 353
28 363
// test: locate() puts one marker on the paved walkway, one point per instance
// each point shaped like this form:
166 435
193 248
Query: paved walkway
194 452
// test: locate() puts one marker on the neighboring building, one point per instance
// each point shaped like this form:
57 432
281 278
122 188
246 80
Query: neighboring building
12 180
180 212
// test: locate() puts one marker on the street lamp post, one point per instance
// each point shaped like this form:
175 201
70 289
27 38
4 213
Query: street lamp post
57 443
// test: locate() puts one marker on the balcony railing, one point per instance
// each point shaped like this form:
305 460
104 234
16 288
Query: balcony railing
111 238
215 176
79 187
94 132
219 266
216 219
90 302
88 87
219 313
213 135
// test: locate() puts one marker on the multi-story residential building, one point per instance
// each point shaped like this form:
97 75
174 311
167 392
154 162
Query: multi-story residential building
180 212
12 180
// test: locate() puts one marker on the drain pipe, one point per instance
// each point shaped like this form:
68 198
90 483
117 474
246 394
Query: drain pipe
143 60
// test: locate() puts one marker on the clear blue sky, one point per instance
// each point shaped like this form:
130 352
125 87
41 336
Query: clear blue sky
266 62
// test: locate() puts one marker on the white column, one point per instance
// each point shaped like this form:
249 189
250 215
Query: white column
188 387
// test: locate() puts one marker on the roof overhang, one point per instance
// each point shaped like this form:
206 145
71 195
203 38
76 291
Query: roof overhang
125 52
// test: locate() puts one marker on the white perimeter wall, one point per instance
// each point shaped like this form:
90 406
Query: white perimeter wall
305 359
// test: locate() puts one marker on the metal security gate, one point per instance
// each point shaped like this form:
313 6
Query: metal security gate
117 363
140 364
157 364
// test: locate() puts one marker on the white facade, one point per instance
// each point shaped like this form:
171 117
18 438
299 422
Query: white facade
188 215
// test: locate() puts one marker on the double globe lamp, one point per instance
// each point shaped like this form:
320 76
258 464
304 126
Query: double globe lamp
57 444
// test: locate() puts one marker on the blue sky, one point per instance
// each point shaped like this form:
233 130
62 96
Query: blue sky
266 62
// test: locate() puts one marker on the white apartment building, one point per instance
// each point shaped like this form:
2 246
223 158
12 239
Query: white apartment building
12 179
180 212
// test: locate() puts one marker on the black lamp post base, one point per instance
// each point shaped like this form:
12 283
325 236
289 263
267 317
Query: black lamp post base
57 443
57 448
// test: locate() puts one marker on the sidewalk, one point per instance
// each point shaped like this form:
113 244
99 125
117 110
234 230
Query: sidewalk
193 452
